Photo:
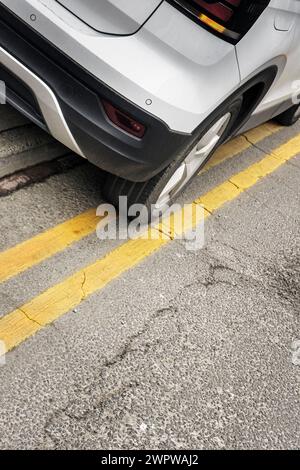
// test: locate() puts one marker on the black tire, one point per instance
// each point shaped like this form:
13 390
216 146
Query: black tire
147 193
289 117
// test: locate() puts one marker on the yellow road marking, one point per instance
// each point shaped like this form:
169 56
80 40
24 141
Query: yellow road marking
241 143
25 321
41 247
47 307
25 255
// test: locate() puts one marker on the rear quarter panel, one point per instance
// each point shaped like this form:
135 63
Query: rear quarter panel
274 39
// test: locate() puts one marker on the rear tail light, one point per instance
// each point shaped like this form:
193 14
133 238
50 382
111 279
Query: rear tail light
230 19
123 120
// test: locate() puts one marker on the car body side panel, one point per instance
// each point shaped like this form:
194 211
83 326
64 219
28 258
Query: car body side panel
278 30
171 62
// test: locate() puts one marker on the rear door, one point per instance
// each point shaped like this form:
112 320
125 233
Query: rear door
276 37
120 17
287 23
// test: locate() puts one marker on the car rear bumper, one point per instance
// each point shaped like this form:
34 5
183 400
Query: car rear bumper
32 96
66 101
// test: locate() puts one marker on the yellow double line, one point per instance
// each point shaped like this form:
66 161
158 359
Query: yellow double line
26 320
31 252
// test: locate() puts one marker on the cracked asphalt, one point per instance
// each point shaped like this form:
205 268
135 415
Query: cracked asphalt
187 350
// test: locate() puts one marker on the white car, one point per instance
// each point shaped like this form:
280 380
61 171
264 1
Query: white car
148 89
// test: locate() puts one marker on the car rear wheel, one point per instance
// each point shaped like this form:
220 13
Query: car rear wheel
192 163
158 193
289 117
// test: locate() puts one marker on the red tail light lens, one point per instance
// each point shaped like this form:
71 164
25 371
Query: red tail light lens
123 120
217 9
231 19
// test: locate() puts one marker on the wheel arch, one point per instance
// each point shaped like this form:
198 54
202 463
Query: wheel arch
253 92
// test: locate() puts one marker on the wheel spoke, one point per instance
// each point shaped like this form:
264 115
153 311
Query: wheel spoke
193 161
174 181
